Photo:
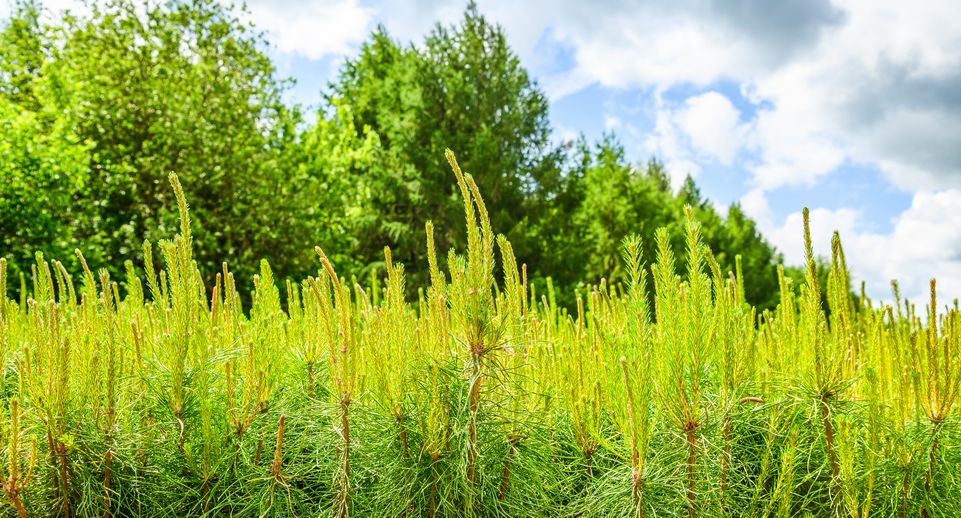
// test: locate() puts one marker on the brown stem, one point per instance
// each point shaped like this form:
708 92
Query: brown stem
588 464
278 452
904 493
829 443
932 457
53 463
506 472
932 461
691 471
107 461
181 427
402 432
343 511
472 426
259 451
725 460
637 492
17 502
64 481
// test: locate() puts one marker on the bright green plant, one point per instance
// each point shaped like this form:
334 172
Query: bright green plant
163 395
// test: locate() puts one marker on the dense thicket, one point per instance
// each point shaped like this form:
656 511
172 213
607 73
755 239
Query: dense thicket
480 398
97 109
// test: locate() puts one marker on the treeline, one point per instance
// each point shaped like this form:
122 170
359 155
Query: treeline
96 110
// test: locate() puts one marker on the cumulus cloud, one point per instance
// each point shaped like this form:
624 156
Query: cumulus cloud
703 129
712 125
621 43
882 88
410 20
314 29
867 81
925 242
668 142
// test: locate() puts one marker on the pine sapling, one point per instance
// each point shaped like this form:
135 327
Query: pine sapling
15 481
342 372
826 374
942 379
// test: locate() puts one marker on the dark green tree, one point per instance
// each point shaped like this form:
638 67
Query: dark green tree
619 199
466 90
615 198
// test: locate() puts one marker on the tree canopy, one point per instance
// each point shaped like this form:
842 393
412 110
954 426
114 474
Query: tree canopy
97 109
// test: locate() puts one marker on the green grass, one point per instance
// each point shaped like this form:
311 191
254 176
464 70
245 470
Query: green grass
158 394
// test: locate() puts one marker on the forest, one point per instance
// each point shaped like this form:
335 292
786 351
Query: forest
414 300
97 110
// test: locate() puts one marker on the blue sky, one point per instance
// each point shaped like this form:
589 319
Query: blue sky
849 107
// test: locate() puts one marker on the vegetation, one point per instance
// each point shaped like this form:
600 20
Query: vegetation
97 109
156 395
158 361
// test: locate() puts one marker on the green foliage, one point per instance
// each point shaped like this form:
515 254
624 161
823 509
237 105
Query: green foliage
465 89
479 398
156 88
44 164
607 198
98 109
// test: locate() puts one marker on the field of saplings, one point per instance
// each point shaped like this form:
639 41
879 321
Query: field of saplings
161 394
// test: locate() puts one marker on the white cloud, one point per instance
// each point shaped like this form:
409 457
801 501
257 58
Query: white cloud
704 129
868 81
713 126
314 29
411 20
754 204
612 122
669 144
791 149
880 89
925 242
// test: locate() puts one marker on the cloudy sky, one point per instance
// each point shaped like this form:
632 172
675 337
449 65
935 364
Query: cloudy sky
850 107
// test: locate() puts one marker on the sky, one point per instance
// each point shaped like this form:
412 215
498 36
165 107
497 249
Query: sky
849 107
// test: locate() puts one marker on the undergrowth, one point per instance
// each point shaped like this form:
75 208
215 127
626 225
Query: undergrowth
158 394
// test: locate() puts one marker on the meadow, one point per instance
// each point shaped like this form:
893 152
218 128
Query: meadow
161 394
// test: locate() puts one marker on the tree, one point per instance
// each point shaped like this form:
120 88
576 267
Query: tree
43 165
97 110
617 199
759 259
331 155
178 86
464 90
